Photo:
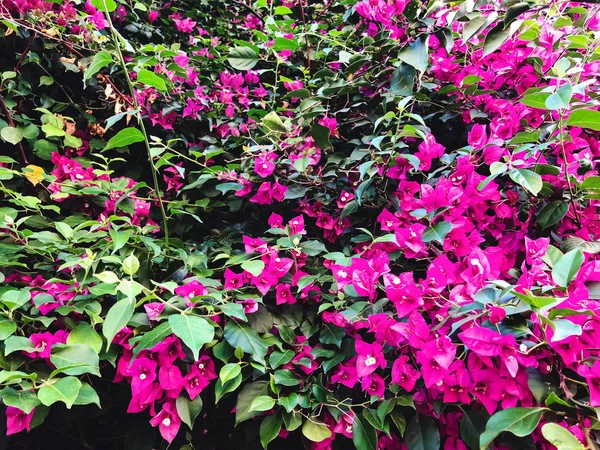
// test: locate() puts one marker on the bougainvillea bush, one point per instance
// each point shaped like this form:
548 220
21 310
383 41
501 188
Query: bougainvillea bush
299 224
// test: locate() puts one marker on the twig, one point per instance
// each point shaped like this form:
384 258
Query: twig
140 121
12 124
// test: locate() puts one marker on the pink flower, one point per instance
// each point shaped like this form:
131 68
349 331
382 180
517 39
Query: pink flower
142 373
182 61
152 16
167 420
404 374
284 295
344 426
370 356
185 25
486 342
263 195
346 375
154 309
17 420
191 290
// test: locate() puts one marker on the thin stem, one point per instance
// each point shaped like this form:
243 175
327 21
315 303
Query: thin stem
140 121
566 163
10 122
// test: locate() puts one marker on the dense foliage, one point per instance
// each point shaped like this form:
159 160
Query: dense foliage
312 224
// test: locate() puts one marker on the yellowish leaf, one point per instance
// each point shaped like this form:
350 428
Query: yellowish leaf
34 174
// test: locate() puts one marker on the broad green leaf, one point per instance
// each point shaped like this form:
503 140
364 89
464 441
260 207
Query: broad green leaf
254 267
7 328
560 437
518 421
564 328
64 229
566 268
561 98
192 330
585 118
262 403
422 434
315 431
242 58
364 435
125 137
552 213
472 425
499 35
229 371
11 135
248 393
75 359
416 53
24 400
527 179
64 390
104 5
151 79
84 334
101 59
130 265
188 409
403 80
240 335
269 429
321 134
437 233
153 337
117 318
274 123
224 388
87 395
535 98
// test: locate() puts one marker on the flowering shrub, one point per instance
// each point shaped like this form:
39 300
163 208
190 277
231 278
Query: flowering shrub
359 224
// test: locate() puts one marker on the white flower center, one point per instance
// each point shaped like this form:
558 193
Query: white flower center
370 361
200 366
342 274
166 422
142 376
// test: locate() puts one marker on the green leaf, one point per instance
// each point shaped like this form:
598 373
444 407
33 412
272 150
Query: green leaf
130 265
80 358
552 213
151 79
269 429
286 377
151 338
277 359
437 233
515 11
262 403
560 437
64 390
527 179
248 393
499 35
242 58
24 400
535 98
117 318
567 266
230 386
104 5
87 395
422 434
101 59
188 409
321 134
519 421
274 123
364 435
315 431
254 267
18 343
289 402
561 98
416 53
84 334
403 80
585 118
229 371
471 426
240 335
11 135
313 248
192 330
124 138
7 328
564 328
